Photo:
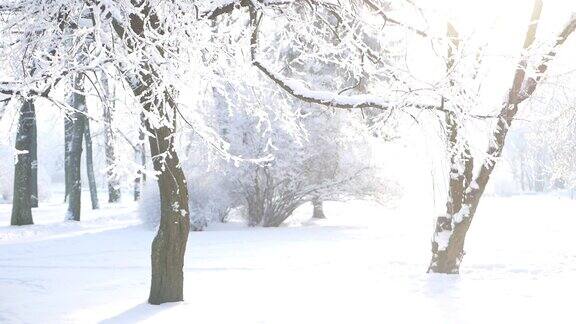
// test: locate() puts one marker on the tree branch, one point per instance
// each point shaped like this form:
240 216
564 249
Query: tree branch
299 90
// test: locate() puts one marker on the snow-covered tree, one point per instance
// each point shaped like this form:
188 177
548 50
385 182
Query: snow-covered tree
454 95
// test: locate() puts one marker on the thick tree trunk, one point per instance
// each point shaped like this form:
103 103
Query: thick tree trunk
22 204
114 192
78 101
318 209
90 167
169 245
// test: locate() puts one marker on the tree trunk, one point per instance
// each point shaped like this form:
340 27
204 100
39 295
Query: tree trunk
114 192
78 101
318 209
450 231
90 166
22 204
464 195
169 245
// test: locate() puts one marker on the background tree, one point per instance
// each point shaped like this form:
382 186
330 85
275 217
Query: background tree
22 201
109 106
90 166
77 101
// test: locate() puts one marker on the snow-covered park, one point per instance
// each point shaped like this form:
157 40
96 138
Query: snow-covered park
287 161
363 264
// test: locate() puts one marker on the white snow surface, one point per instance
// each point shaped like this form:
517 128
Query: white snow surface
364 264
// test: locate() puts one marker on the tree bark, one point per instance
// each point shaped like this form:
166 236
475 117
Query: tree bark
90 166
318 209
22 202
78 101
114 193
450 231
169 245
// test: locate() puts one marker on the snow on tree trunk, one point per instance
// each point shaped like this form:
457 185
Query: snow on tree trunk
465 190
114 192
450 231
169 245
90 167
78 101
22 204
318 209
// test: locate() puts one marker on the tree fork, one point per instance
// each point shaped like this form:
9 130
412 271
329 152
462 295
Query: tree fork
464 195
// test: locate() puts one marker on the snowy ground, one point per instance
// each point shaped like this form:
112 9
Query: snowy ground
364 264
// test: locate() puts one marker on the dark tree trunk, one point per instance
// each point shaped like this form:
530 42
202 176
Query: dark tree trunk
78 101
22 204
114 192
169 245
318 209
90 166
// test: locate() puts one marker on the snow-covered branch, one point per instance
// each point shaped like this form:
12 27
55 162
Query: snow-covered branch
303 92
